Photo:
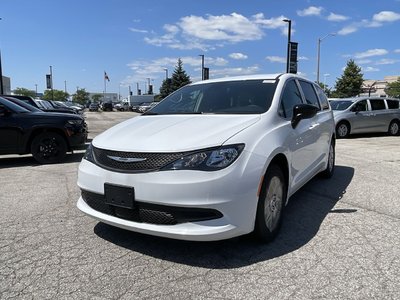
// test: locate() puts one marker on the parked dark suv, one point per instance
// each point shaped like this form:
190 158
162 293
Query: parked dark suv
42 104
48 136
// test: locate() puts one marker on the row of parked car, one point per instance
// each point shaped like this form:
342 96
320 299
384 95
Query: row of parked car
122 106
46 129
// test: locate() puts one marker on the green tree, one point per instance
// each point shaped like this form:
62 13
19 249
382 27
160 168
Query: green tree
81 96
24 92
179 77
165 88
58 95
349 85
97 97
393 89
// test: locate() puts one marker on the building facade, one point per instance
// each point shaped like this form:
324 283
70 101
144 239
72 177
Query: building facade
377 88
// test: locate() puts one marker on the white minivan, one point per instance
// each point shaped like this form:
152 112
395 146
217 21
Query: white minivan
215 159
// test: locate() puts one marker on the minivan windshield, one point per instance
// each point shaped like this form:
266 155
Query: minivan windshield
230 97
340 104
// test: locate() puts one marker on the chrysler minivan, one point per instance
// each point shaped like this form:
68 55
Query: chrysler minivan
213 160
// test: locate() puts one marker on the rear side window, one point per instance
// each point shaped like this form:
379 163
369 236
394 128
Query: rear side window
377 104
393 104
290 97
322 98
309 93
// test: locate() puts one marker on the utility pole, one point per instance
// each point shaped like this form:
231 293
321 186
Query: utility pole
288 44
202 66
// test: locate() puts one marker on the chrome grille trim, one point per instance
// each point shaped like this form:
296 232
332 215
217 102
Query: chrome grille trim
133 162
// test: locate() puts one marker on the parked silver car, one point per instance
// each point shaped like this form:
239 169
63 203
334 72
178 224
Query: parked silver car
366 115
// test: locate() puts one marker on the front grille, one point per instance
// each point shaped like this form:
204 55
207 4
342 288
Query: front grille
145 161
150 213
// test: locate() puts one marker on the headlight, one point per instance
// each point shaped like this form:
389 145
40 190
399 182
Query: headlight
75 122
208 160
89 153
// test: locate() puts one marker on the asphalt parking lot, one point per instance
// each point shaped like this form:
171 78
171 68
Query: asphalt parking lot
340 238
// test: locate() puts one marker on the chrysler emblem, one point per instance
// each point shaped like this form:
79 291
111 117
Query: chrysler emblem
126 159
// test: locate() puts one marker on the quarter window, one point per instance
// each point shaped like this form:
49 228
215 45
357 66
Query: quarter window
377 104
392 104
309 94
290 97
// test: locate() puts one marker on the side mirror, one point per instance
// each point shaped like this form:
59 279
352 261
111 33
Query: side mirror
303 111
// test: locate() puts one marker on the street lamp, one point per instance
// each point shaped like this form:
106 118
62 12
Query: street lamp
319 52
1 76
288 44
202 66
166 73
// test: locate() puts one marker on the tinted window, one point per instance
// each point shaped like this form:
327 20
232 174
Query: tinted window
377 104
392 104
290 97
14 107
322 98
360 106
309 93
231 97
340 105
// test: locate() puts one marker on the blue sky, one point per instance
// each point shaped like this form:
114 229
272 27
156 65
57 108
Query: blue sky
135 40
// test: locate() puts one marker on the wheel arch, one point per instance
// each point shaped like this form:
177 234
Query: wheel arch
38 131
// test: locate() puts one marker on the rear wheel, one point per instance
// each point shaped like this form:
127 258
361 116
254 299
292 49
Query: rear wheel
270 204
48 147
330 168
394 128
342 130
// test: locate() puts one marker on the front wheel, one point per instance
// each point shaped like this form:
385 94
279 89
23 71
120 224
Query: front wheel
270 204
48 147
342 130
394 128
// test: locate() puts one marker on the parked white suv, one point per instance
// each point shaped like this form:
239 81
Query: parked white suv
216 159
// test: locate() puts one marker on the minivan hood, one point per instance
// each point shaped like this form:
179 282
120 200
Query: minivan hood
173 133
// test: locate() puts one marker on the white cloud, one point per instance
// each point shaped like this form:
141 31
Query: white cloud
386 61
370 69
234 71
310 11
363 61
238 56
397 50
276 59
336 18
209 32
386 16
371 52
231 28
348 29
138 30
302 58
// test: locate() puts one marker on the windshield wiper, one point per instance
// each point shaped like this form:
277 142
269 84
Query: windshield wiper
149 113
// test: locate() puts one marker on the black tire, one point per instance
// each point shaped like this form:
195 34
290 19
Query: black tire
48 148
394 128
270 205
330 168
342 130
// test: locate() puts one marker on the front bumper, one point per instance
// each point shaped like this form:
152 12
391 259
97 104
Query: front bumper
231 193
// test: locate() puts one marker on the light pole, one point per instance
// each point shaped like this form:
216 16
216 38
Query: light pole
166 73
326 75
319 52
288 44
35 90
202 66
1 76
